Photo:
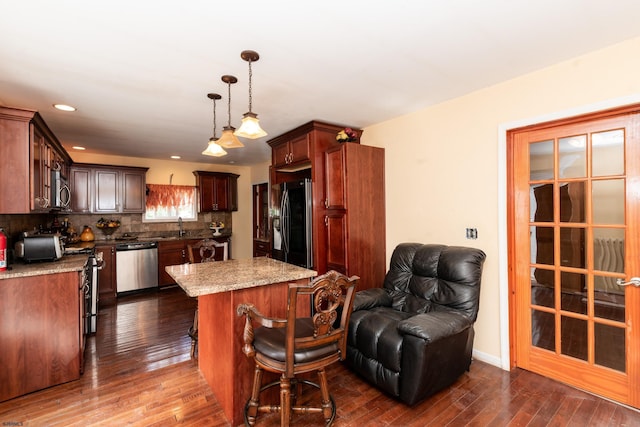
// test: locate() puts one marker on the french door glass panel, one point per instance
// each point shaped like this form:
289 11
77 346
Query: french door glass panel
577 220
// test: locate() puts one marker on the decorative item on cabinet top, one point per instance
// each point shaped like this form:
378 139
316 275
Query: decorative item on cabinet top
347 135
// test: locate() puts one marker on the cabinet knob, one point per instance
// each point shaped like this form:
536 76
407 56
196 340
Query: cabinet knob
326 221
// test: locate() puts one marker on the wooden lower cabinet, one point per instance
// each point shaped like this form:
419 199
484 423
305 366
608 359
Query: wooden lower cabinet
41 335
261 248
107 274
170 253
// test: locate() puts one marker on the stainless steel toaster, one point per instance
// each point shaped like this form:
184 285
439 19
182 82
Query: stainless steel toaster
41 247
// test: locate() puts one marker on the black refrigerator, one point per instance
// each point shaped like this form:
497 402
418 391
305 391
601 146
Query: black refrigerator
292 223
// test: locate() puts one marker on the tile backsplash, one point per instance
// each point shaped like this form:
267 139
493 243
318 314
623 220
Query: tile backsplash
131 224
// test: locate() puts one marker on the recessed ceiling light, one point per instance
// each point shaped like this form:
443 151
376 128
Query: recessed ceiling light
175 157
77 147
64 107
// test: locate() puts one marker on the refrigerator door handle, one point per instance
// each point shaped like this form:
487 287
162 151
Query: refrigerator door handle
309 221
284 214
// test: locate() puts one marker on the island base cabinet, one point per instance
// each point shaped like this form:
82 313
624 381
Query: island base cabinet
40 332
228 371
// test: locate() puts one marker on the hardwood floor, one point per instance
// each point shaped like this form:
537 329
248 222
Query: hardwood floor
138 372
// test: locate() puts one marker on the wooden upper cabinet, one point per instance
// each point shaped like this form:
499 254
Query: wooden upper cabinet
107 189
134 185
335 179
81 189
292 152
218 191
29 151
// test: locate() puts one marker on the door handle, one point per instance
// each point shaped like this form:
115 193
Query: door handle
635 281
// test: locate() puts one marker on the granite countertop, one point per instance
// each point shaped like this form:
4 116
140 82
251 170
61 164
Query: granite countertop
223 276
65 264
163 238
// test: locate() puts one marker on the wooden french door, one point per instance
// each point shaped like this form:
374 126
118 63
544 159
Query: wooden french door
574 240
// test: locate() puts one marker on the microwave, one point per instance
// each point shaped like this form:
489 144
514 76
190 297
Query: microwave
60 192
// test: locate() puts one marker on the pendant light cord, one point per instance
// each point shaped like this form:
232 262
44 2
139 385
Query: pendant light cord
214 118
229 104
250 78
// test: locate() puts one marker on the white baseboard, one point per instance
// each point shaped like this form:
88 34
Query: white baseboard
487 358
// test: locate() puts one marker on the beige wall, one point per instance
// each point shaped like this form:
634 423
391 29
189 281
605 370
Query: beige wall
161 171
443 164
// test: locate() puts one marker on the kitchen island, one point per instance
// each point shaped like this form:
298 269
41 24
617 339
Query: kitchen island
220 288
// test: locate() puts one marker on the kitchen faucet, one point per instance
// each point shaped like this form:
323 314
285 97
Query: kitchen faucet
181 231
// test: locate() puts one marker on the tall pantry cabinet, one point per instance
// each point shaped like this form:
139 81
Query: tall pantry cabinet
348 205
354 215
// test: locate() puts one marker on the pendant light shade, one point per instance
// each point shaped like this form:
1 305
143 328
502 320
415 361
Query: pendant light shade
228 139
250 127
213 149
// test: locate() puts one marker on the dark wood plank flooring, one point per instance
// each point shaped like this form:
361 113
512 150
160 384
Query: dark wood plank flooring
138 372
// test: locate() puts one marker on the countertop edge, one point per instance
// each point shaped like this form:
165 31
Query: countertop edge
66 264
225 276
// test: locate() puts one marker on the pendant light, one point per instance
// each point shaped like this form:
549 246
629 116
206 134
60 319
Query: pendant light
250 127
213 149
228 139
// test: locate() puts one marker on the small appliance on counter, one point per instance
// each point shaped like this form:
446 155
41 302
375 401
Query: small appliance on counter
42 247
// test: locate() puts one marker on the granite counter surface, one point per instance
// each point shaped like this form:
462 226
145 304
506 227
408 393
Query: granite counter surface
65 264
223 276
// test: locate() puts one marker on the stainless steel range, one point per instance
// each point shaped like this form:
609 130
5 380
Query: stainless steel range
89 285
91 294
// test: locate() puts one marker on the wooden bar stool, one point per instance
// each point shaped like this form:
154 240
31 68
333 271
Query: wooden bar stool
295 345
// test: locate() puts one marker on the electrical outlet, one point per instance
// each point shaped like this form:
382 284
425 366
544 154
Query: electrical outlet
472 233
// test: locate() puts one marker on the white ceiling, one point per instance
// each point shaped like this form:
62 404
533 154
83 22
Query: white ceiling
139 71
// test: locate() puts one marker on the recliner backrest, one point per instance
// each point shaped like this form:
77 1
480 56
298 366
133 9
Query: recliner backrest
423 278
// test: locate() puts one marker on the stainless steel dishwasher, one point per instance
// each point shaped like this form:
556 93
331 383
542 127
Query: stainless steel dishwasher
136 266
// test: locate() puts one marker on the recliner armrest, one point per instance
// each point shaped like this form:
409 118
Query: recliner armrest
434 325
370 298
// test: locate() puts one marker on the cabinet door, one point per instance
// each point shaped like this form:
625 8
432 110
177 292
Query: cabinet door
221 185
280 154
217 191
80 183
133 191
206 192
107 275
170 253
299 149
106 191
335 179
40 181
336 234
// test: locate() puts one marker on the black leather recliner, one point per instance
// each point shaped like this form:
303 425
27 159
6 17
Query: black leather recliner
414 336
